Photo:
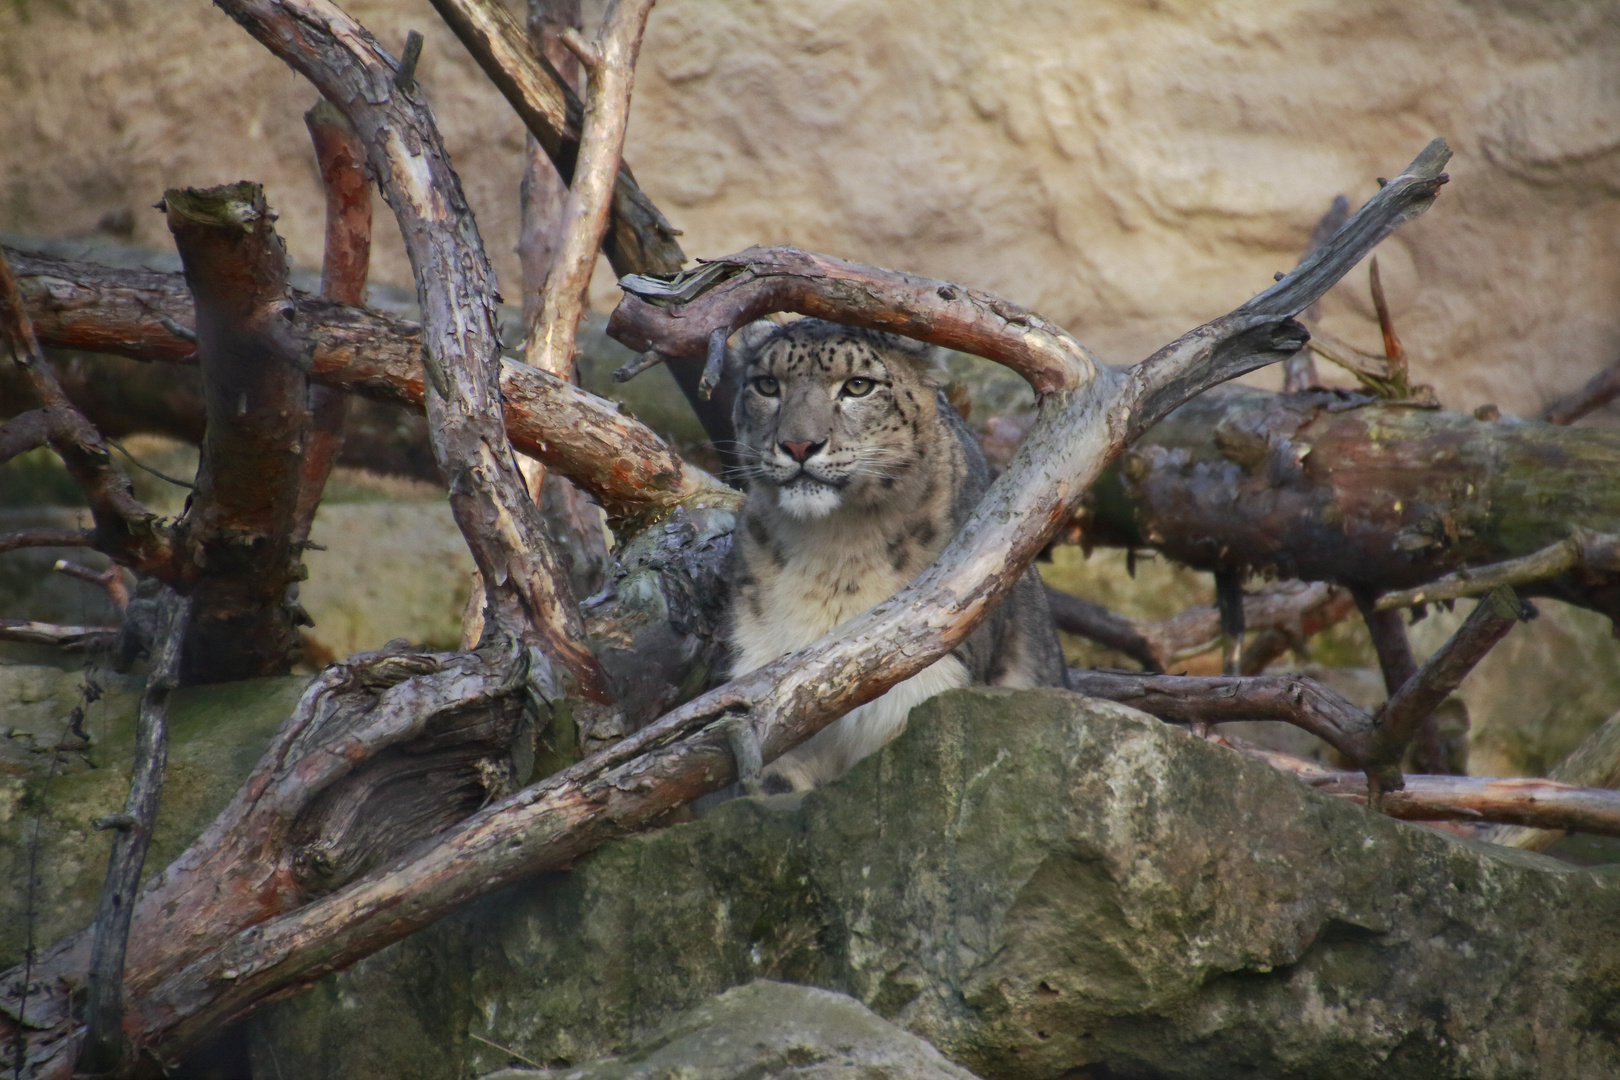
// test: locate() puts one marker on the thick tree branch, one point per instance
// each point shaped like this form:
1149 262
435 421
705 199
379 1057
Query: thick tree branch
628 469
1327 486
529 595
345 266
104 1050
242 518
640 241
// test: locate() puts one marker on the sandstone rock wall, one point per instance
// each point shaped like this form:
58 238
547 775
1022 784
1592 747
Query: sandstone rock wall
1128 168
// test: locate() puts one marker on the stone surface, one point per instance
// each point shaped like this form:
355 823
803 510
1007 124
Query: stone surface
1127 169
1033 883
771 1030
216 734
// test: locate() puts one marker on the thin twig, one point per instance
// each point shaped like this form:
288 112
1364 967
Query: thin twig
104 1047
46 537
1596 553
70 638
1601 389
1393 352
111 580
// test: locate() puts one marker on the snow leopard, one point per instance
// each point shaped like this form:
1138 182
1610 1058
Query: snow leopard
858 472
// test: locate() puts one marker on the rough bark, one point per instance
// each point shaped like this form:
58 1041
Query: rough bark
628 469
245 563
1325 486
640 240
345 266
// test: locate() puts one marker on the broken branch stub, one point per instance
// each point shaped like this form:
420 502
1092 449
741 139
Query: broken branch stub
241 525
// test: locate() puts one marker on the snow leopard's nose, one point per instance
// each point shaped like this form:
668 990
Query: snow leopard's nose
801 451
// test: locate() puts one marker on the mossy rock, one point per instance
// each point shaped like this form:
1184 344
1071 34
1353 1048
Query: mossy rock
1039 885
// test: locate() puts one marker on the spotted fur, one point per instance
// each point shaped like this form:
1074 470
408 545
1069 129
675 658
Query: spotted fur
859 472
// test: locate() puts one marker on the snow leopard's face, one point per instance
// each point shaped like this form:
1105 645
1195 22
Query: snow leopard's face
832 417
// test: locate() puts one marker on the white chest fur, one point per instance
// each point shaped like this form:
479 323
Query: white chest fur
821 587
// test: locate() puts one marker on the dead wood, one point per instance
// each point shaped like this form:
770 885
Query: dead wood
1083 424
628 469
686 753
124 529
71 638
104 1048
1473 799
1206 700
345 266
1400 717
1601 389
1282 616
1344 488
640 240
1594 763
1594 556
239 529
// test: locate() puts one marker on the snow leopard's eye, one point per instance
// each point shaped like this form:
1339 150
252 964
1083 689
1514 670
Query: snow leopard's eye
857 387
767 386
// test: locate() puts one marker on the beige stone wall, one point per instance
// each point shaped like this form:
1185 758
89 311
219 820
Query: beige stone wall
1127 168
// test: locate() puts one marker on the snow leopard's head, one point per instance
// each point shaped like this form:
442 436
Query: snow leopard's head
833 417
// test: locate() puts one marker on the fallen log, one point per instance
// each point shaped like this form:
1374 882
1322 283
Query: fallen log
1344 488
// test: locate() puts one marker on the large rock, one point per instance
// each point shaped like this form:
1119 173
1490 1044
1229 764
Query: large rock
775 1030
1034 883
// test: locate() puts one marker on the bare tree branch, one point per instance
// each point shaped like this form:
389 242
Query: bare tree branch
125 529
1422 693
640 241
585 216
1603 388
1546 804
1594 763
104 1049
628 469
46 537
1202 701
71 638
345 266
1595 554
1083 618
677 319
